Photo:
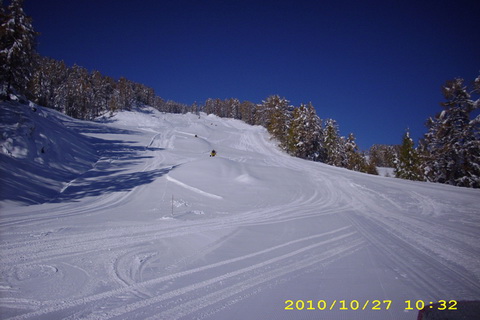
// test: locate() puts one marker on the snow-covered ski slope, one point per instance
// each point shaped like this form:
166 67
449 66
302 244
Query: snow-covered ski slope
144 224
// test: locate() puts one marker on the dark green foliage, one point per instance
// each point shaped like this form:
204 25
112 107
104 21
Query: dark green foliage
86 95
17 48
304 136
450 149
276 115
334 144
407 165
354 160
383 155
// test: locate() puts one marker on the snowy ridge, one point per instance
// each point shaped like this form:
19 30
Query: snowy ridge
251 227
41 151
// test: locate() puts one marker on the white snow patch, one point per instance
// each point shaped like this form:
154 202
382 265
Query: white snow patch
386 172
186 186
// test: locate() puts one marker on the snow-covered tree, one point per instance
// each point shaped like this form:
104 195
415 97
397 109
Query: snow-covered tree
17 48
78 92
233 106
370 167
264 113
247 112
450 149
217 107
102 91
354 160
126 93
314 135
45 84
382 155
276 116
304 136
144 95
334 144
407 166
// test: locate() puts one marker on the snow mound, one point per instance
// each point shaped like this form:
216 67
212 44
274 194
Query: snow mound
386 172
234 183
40 150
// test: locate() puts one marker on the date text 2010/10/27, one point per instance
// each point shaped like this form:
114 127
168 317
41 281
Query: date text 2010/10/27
366 305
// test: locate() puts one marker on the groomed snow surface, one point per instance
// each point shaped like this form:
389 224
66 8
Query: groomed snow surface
130 218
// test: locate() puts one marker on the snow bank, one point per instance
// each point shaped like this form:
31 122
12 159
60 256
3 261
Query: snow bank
240 184
40 151
386 172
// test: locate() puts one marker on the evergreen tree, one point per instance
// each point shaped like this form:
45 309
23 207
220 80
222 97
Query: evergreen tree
126 93
143 95
233 107
314 135
333 144
102 90
77 90
382 155
451 148
39 87
293 141
247 112
354 160
407 166
265 110
305 134
114 101
370 168
277 117
17 48
45 86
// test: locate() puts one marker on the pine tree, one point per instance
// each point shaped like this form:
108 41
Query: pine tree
300 139
451 148
247 112
47 78
17 48
126 94
314 135
407 165
78 92
143 95
383 155
333 144
293 140
370 168
353 159
102 90
233 108
277 116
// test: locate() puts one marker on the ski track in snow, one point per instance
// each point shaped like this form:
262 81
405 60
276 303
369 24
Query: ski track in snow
201 192
121 255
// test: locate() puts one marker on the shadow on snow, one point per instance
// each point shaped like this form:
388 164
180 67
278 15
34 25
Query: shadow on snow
91 166
98 183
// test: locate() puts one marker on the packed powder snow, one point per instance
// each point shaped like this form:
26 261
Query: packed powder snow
129 217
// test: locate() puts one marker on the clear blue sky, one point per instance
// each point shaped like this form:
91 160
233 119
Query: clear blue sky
376 67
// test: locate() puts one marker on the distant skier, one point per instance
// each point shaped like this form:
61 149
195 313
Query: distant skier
213 153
